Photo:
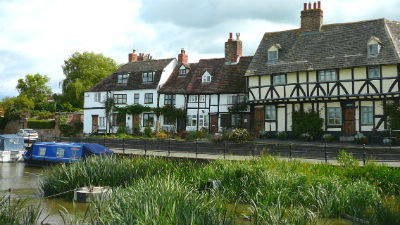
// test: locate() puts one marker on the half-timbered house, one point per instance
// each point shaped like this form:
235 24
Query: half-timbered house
208 89
346 72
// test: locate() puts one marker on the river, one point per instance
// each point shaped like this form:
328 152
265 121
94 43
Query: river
23 180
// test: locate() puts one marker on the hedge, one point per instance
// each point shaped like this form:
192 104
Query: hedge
41 124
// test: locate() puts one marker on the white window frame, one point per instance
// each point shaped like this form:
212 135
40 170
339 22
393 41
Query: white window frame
327 75
183 72
236 120
193 98
191 120
279 79
367 115
374 72
169 99
206 78
270 112
123 79
120 98
97 96
148 77
334 113
102 121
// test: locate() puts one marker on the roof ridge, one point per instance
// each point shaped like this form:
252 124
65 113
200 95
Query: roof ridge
392 40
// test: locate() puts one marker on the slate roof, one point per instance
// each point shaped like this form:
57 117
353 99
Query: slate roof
226 79
336 46
135 70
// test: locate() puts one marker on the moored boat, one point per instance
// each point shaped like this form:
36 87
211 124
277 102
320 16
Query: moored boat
12 148
63 151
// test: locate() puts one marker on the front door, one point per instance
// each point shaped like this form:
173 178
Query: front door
135 120
214 124
349 126
95 123
259 122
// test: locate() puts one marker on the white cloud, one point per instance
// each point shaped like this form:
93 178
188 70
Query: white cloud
36 36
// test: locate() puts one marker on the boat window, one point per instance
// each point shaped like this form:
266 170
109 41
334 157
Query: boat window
42 151
60 152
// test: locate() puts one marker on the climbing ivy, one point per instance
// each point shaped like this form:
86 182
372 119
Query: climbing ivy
168 111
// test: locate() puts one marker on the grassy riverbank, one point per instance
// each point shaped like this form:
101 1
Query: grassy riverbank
162 191
17 211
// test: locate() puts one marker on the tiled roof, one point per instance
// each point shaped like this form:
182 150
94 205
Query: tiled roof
336 46
135 70
225 78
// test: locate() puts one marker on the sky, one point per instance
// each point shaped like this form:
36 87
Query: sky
36 36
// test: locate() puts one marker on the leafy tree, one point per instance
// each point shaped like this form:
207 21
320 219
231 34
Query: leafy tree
17 107
35 87
82 71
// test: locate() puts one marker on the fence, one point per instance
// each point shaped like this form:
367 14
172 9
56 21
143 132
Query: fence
195 149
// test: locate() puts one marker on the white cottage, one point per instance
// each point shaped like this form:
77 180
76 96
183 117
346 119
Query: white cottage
207 89
136 82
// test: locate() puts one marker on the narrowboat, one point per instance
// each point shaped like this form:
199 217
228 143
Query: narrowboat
12 148
50 152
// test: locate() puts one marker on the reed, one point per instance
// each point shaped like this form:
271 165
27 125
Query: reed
18 211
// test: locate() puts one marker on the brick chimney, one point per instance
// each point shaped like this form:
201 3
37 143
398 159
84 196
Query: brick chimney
143 57
182 57
132 57
311 18
233 49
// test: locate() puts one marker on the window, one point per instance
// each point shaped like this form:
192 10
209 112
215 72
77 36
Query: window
60 153
148 119
119 119
334 116
169 99
169 120
279 79
366 115
136 98
97 97
102 121
148 98
42 151
374 72
206 78
202 120
183 72
195 98
122 78
236 120
327 75
270 112
373 49
237 99
148 77
272 55
192 120
120 98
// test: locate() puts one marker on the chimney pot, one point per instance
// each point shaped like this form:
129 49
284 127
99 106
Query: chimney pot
233 49
309 5
315 5
319 4
305 6
311 19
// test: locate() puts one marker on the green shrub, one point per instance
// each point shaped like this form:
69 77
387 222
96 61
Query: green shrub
122 130
281 135
41 124
147 131
240 135
43 115
328 137
307 122
393 112
347 160
136 130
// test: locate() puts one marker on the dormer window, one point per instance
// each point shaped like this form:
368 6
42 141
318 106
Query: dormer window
273 53
183 70
148 77
122 79
373 46
206 78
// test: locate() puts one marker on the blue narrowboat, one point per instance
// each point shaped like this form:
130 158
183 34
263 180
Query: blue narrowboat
63 152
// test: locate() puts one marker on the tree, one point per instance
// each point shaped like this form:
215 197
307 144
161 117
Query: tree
17 107
82 71
35 88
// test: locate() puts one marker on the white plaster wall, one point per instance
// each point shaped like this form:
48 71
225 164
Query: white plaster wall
89 100
167 72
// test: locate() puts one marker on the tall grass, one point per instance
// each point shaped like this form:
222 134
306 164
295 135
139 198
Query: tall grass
160 200
18 211
278 192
